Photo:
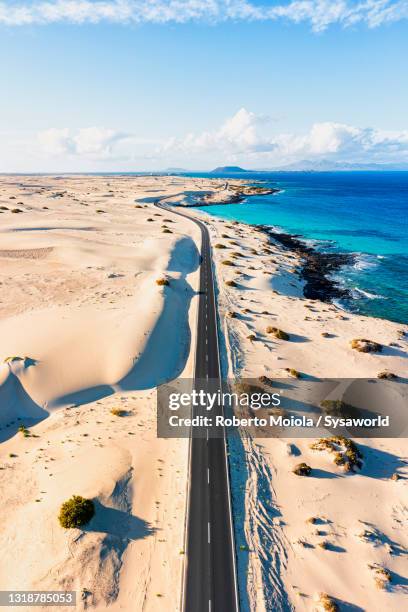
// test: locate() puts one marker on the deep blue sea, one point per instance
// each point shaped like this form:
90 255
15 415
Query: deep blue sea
365 213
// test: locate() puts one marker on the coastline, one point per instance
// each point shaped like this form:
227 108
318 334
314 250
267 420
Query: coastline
92 331
294 538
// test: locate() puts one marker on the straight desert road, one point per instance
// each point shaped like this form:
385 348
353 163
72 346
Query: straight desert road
210 583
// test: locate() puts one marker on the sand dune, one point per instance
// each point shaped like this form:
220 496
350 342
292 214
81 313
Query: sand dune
87 330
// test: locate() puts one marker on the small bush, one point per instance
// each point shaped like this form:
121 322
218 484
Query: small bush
227 262
345 451
278 333
13 358
293 372
231 283
231 314
166 230
219 246
382 576
23 429
328 604
118 412
162 282
265 380
365 346
302 469
76 512
251 337
16 210
386 375
336 408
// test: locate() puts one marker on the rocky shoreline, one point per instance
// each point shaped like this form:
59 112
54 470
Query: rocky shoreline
317 267
234 194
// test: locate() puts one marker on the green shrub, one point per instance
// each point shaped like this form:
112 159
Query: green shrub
162 282
76 512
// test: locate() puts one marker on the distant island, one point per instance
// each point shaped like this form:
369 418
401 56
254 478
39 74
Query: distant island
227 169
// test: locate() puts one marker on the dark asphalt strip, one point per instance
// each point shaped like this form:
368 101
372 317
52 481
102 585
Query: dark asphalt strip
210 576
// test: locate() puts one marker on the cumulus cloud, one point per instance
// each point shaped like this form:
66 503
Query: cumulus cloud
245 136
320 14
91 142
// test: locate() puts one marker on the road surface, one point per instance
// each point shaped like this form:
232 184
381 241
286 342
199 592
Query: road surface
210 582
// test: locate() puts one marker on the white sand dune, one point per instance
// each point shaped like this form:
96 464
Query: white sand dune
89 330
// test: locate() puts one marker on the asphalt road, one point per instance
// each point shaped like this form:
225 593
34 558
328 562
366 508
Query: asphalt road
210 582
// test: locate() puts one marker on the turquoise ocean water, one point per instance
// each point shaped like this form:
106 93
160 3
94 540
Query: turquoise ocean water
365 213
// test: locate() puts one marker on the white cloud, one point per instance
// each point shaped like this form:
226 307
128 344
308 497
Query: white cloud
245 136
320 14
92 142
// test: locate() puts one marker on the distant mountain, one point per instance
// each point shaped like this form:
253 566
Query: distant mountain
326 165
227 169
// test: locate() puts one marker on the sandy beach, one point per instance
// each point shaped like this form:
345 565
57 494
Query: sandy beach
87 335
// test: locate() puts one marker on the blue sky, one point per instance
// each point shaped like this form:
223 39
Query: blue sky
95 86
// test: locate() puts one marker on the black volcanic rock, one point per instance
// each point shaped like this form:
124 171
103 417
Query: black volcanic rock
317 267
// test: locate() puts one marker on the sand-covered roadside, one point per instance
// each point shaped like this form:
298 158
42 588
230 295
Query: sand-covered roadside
85 330
341 534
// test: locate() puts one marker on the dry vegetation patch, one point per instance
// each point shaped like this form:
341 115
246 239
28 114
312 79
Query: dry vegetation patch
362 345
345 451
327 603
278 333
302 469
382 576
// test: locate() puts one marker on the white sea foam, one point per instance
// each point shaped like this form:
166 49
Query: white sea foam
357 293
365 261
